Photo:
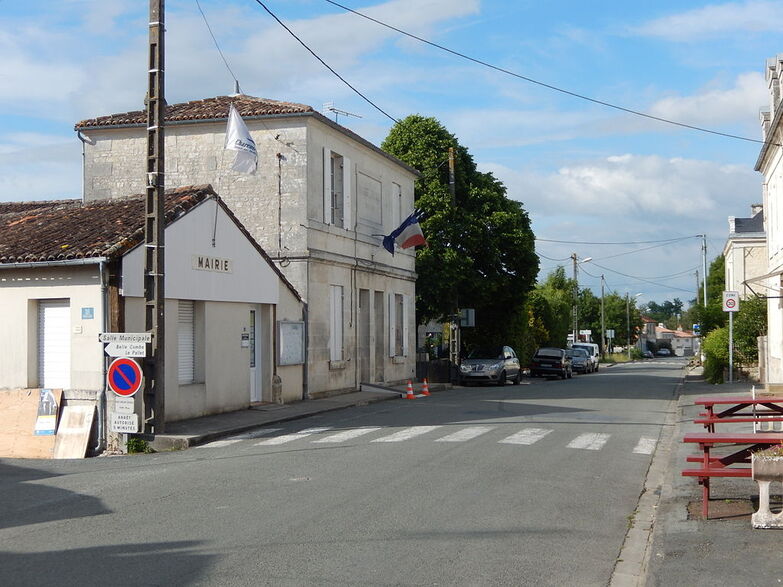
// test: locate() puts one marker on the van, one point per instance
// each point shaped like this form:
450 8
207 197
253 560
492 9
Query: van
592 351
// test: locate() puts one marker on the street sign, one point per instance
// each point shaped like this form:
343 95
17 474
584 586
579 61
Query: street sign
126 349
145 337
609 333
124 377
125 423
730 301
123 405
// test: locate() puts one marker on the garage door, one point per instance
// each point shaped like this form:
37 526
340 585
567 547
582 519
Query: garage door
54 344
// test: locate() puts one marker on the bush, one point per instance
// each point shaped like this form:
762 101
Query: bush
716 354
138 445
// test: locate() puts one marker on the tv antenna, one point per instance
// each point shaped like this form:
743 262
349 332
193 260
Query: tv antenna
329 107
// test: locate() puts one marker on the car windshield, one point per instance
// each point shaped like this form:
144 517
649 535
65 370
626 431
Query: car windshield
579 353
486 353
549 353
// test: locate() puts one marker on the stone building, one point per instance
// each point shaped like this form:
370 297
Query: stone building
745 251
319 203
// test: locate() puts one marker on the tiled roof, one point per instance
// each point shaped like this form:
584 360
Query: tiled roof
57 231
207 109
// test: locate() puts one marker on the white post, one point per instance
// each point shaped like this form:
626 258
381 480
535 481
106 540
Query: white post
731 346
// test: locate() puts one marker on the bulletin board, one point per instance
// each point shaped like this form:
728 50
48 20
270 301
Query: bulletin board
292 341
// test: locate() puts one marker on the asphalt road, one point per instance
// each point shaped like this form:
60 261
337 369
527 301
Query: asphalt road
521 485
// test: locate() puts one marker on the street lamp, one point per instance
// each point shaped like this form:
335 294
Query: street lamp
576 261
628 319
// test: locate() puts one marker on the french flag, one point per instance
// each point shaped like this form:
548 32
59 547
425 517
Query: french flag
407 235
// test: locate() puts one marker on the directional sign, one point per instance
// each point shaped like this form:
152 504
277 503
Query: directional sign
730 301
124 377
126 349
125 337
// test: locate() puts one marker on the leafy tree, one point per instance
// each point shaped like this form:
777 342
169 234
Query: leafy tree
712 316
481 247
552 303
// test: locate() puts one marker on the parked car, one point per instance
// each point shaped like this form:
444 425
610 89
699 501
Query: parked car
592 351
491 365
551 361
580 360
647 354
663 352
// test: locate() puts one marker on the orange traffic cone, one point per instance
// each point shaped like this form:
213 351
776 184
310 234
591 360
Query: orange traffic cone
409 391
425 390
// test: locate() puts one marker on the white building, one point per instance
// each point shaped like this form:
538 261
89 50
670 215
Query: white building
770 164
70 271
745 251
319 204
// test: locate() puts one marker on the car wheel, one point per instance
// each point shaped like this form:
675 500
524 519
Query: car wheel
570 374
518 378
564 374
502 378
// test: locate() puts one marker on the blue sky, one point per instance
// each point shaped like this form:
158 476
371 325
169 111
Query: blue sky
585 173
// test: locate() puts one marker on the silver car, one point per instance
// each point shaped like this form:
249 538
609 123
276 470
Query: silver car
491 365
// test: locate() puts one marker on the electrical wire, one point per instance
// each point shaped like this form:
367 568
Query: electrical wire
214 40
326 65
670 240
550 86
634 251
551 258
643 279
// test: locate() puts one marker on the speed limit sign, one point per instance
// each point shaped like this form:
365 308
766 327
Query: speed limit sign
730 301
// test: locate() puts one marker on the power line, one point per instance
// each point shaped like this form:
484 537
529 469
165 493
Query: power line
550 86
670 240
211 34
551 258
326 65
643 279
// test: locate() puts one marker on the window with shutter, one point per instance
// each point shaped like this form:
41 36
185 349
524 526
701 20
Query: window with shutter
186 342
54 344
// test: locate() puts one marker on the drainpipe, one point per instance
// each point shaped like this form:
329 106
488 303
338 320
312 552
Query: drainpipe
102 393
305 380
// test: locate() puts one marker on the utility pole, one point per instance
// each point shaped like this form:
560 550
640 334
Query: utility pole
603 324
455 342
704 265
154 291
698 286
576 301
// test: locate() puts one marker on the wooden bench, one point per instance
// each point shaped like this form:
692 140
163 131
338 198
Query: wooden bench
738 408
741 446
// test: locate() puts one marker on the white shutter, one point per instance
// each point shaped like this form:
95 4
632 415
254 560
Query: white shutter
186 344
327 186
54 344
405 315
392 325
347 185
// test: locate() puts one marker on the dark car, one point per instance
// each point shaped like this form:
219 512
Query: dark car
647 354
551 361
491 365
664 352
580 360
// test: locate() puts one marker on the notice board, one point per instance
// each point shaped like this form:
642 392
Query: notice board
291 337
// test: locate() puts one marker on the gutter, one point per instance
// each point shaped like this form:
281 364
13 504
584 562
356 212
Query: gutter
60 263
101 433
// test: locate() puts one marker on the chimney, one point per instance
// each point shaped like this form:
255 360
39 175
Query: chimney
756 208
732 220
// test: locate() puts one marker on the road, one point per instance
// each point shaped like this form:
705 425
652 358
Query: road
530 484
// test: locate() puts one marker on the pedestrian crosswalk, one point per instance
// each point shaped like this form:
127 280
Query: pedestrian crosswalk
592 441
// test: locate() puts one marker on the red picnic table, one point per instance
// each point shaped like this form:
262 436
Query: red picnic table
738 408
741 445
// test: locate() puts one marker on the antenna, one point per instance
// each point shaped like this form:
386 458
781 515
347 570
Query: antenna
329 107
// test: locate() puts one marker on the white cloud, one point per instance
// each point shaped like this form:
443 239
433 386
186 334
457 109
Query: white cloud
713 106
715 20
40 171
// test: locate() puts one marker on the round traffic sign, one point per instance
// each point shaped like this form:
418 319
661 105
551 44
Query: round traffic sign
731 302
124 377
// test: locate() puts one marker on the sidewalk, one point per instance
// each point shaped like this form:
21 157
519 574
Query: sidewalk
186 433
724 550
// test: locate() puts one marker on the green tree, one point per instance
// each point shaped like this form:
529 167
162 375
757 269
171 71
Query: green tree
552 303
712 316
481 248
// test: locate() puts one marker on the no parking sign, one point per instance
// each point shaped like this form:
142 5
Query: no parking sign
124 377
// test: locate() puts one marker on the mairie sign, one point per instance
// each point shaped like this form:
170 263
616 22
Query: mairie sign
124 377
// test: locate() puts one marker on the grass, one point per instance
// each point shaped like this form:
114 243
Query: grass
615 358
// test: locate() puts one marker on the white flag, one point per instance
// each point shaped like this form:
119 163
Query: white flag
238 139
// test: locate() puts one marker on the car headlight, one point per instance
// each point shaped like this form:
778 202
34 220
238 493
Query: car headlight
464 368
495 366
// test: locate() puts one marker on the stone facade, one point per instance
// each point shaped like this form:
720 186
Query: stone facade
325 253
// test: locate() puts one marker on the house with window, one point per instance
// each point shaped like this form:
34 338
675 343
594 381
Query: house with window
70 271
770 164
319 204
745 251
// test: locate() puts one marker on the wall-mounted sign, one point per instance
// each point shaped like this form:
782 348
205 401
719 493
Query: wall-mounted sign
88 313
291 343
207 263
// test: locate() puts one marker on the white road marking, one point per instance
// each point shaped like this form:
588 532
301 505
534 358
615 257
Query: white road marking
348 434
240 437
526 436
590 441
465 434
645 446
406 434
220 443
289 437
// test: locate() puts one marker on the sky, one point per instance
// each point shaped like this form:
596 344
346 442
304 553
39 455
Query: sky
586 173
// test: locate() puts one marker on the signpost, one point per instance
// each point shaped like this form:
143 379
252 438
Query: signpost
731 305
